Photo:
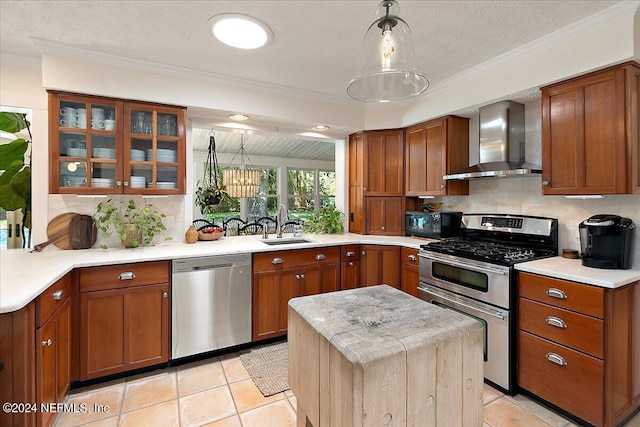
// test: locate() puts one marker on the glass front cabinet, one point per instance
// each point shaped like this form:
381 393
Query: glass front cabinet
110 146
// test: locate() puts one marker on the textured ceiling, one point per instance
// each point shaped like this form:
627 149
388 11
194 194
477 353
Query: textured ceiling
315 45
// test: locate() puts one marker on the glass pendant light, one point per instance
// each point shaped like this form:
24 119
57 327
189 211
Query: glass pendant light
389 72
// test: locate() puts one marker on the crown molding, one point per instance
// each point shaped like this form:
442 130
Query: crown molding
65 50
23 61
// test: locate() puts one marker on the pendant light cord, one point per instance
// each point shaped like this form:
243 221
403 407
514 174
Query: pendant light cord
212 169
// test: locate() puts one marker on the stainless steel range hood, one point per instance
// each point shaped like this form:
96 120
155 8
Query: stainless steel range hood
501 144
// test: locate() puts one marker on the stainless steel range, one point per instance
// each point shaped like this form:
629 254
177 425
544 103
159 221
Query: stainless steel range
474 275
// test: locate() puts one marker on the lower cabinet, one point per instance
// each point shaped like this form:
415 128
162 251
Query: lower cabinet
53 348
577 347
124 318
282 275
410 273
380 264
349 267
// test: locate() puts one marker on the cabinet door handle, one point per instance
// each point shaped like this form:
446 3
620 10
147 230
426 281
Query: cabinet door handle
126 183
442 186
383 228
302 276
277 260
412 257
350 264
350 253
57 295
556 358
364 253
165 295
320 257
556 293
47 343
118 183
545 183
127 275
297 277
556 321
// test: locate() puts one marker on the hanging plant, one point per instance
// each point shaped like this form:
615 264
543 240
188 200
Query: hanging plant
210 191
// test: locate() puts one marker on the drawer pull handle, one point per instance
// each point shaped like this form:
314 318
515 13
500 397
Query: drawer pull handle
277 261
47 342
556 321
57 295
412 257
127 275
556 358
320 257
350 253
556 293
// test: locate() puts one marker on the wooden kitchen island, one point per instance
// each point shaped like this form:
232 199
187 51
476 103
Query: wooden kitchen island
376 356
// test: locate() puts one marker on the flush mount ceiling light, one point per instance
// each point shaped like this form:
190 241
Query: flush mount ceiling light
239 117
240 31
389 72
320 127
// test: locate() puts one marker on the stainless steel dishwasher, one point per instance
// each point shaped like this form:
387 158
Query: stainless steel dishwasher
211 303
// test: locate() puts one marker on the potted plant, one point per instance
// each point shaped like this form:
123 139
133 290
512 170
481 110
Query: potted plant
327 220
15 181
136 225
210 191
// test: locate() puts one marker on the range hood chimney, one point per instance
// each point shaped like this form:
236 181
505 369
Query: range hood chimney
501 144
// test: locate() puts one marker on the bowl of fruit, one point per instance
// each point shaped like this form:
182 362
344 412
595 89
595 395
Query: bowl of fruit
210 232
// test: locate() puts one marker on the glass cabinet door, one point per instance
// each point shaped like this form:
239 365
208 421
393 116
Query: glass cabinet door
154 146
85 141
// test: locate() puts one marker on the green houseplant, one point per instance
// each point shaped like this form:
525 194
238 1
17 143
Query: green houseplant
15 181
327 220
136 225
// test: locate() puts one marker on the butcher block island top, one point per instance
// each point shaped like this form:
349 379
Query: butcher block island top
376 356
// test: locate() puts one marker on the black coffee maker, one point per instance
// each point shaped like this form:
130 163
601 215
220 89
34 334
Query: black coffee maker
606 241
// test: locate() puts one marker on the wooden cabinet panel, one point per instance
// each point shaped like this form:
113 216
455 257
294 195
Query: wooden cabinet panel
576 386
564 327
588 133
410 274
383 161
350 275
282 260
581 298
380 265
123 328
436 148
52 299
53 361
356 183
124 275
384 216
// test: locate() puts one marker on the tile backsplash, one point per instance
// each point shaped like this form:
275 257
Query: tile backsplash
171 206
524 196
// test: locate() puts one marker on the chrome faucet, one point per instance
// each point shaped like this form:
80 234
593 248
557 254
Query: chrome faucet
281 218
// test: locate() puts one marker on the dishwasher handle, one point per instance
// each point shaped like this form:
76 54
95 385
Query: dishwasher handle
203 267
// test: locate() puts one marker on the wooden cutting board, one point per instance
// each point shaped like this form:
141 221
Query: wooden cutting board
70 231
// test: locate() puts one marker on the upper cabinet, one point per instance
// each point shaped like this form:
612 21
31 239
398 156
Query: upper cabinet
109 146
590 133
383 162
433 149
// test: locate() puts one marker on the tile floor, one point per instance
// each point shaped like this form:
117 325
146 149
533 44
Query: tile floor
218 392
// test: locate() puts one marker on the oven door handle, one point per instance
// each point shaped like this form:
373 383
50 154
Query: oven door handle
465 265
458 302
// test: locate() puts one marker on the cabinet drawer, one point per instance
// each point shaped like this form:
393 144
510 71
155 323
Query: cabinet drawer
350 253
574 330
572 296
55 296
409 256
123 275
280 260
576 387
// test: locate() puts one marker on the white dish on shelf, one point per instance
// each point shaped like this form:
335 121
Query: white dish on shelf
137 154
77 152
104 153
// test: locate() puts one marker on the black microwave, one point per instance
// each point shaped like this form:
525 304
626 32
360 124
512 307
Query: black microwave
435 225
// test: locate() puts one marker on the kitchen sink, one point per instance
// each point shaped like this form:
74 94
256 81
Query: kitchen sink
290 241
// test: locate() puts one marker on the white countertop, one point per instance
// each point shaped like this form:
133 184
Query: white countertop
572 269
24 275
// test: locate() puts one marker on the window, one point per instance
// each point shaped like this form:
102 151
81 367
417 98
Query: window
309 190
265 204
